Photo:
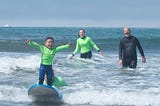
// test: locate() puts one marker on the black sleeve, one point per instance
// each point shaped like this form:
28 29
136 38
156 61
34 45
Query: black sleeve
139 47
120 50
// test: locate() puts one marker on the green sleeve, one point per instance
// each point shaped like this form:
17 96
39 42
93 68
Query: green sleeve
59 48
93 44
38 46
77 48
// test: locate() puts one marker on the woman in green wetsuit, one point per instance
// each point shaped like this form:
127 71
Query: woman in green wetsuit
84 43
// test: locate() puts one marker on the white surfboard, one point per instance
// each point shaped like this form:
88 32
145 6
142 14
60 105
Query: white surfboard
45 93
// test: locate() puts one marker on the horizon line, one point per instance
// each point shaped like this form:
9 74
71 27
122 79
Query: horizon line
83 26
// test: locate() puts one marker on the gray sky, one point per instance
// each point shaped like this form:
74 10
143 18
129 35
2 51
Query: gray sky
92 13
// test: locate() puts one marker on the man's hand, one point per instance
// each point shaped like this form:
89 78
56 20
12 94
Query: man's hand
143 59
120 62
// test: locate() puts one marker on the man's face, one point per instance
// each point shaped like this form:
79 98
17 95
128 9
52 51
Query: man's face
126 32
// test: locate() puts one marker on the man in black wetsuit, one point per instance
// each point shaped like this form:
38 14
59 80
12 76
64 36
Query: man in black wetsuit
127 50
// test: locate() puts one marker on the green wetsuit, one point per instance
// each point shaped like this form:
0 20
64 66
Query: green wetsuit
48 54
84 44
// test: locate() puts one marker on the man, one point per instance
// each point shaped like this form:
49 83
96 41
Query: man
127 50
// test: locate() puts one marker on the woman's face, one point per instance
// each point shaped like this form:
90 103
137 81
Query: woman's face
81 33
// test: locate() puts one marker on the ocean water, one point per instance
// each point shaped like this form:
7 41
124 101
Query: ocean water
96 82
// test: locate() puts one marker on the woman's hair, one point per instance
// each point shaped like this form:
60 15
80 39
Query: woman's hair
49 38
82 30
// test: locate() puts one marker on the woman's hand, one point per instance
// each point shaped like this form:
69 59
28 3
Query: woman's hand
70 56
100 53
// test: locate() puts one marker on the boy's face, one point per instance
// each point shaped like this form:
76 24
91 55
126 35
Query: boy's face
49 43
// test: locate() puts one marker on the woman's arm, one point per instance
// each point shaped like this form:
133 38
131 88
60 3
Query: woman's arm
94 45
77 48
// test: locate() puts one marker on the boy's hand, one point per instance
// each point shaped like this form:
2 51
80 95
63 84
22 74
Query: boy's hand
70 44
28 41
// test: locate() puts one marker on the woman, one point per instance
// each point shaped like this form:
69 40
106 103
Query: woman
84 43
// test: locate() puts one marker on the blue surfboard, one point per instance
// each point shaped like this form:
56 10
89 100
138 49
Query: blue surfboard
45 93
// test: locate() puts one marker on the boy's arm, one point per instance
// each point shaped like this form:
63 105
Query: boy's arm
59 48
30 43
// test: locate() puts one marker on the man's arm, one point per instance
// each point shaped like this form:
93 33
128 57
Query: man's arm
120 52
140 50
139 47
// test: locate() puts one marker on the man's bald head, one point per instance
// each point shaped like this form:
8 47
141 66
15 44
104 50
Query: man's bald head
127 31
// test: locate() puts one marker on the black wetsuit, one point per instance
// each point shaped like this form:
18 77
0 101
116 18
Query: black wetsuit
127 51
87 55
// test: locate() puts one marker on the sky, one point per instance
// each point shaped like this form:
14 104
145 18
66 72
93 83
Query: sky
80 13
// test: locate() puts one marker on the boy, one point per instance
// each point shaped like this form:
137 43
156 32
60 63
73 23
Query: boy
47 58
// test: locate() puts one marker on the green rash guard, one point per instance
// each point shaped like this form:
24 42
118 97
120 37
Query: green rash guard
84 44
47 56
